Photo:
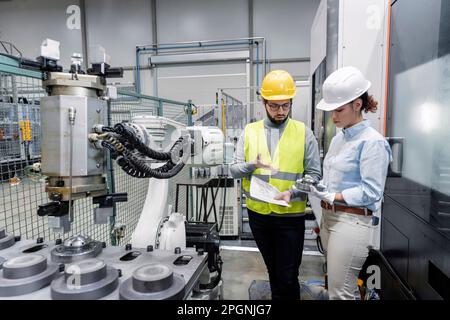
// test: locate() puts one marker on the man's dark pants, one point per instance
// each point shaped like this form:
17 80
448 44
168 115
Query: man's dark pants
280 241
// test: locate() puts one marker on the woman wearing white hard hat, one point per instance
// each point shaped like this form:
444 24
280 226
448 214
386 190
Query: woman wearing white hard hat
354 175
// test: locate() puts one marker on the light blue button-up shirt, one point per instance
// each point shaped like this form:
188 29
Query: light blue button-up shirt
356 165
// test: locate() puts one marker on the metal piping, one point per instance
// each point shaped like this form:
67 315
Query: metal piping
137 95
257 67
84 34
72 114
200 41
193 44
155 40
199 45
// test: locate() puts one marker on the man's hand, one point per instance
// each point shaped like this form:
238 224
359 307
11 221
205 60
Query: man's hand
286 196
260 164
323 195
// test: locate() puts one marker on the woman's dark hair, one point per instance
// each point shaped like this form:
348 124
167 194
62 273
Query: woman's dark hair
368 103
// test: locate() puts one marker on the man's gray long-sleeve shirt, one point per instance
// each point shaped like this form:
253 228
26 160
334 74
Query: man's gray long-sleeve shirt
311 162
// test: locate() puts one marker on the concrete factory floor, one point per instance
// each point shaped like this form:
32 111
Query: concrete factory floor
243 263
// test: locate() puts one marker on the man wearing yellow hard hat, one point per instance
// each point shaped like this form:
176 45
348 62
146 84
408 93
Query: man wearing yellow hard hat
278 150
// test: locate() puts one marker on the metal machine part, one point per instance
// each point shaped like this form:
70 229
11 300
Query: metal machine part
75 104
25 274
69 84
161 132
304 184
88 279
6 240
204 237
208 146
153 282
68 114
85 280
76 248
207 143
59 223
105 209
171 232
57 132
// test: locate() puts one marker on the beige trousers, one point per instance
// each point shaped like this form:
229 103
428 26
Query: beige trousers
346 239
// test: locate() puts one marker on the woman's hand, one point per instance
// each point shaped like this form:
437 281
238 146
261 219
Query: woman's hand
323 195
286 196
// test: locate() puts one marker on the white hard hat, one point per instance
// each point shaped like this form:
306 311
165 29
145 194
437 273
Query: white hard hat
341 87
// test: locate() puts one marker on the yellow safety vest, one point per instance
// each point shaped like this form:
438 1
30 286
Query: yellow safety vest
288 159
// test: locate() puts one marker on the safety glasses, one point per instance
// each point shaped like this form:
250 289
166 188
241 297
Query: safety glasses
275 107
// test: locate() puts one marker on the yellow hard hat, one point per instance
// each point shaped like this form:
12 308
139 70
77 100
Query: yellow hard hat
278 85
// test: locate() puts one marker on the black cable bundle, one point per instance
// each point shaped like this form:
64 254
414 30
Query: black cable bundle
106 129
134 141
110 148
136 167
123 140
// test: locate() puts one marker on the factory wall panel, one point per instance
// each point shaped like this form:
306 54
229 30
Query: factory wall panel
362 44
27 23
191 20
286 25
318 37
119 26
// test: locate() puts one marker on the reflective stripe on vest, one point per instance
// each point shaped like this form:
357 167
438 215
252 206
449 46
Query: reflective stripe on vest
280 176
302 197
288 159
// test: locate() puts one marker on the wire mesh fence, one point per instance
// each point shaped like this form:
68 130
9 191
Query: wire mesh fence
125 108
233 115
234 118
20 192
128 213
22 188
